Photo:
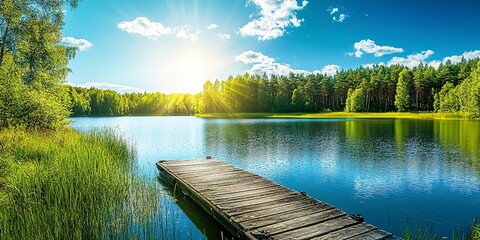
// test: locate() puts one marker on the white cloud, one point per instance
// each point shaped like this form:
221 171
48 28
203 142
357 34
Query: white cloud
340 18
81 44
212 26
371 65
224 36
265 64
249 57
330 70
275 17
456 58
336 15
182 33
333 11
411 60
415 59
144 27
153 30
108 86
435 64
369 46
466 55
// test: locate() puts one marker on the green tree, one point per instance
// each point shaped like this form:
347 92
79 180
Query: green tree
298 100
12 93
446 100
355 100
402 97
30 33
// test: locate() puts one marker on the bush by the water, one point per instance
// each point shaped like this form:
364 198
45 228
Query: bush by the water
67 185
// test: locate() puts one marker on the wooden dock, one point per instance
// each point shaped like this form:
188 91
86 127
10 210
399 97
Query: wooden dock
252 207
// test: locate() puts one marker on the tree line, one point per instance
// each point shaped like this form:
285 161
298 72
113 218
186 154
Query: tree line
376 89
98 102
449 88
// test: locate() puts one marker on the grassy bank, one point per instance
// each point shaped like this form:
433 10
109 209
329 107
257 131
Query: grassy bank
365 115
476 233
67 185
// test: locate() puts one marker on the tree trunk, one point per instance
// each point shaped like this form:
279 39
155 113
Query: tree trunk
4 42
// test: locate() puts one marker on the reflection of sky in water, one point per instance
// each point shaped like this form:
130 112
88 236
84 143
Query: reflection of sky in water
387 170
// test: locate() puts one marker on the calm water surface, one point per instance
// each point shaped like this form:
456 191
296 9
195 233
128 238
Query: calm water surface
388 170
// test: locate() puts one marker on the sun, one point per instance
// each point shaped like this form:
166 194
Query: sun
194 69
189 67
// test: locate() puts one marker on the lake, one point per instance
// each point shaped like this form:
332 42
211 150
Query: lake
389 170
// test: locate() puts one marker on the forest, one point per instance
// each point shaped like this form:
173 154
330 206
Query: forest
449 88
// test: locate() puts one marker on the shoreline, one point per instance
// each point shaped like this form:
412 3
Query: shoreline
342 115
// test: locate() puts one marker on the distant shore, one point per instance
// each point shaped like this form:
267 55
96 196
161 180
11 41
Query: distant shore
363 115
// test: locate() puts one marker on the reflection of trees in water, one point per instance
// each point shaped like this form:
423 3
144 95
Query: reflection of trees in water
414 153
271 145
462 135
380 155
426 164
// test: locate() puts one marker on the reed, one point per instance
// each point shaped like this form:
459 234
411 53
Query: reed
476 232
70 185
427 233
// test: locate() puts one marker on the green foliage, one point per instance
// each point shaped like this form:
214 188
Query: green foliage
298 100
476 232
402 98
23 105
32 64
355 100
383 89
446 100
377 89
97 102
66 185
463 98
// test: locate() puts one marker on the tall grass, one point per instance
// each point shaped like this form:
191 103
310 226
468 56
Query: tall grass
476 232
68 185
426 233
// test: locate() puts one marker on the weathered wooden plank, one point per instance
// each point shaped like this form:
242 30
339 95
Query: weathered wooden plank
247 187
305 220
203 169
232 183
212 178
279 208
319 229
200 161
242 194
211 173
293 215
244 203
373 235
199 165
255 195
348 233
258 195
253 202
268 205
219 187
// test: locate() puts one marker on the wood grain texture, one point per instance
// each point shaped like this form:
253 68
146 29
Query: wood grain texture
246 204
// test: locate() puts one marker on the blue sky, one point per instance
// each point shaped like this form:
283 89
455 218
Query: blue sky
176 45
